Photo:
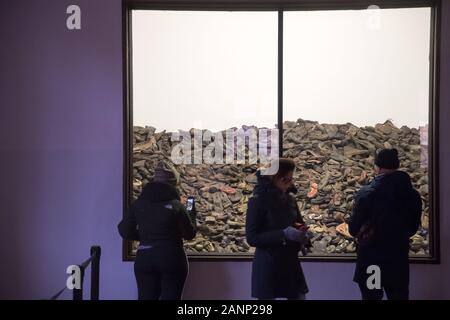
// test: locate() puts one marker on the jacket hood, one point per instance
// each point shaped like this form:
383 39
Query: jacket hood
398 178
159 191
397 182
263 184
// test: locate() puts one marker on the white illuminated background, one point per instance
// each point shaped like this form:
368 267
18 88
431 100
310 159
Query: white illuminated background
216 70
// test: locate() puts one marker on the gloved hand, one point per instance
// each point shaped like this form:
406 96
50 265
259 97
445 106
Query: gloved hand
293 234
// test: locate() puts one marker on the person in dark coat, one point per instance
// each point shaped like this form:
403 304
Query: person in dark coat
160 222
386 214
273 227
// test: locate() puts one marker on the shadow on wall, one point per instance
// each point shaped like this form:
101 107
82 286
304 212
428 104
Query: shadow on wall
218 280
13 241
232 280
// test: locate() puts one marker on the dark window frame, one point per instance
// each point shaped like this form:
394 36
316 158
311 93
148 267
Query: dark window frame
280 6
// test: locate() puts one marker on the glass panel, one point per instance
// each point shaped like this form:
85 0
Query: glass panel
354 82
210 71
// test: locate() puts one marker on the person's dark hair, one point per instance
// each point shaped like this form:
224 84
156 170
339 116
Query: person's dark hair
387 159
284 167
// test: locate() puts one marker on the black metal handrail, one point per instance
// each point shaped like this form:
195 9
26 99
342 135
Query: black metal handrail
94 261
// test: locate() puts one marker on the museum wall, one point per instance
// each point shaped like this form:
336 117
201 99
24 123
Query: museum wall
61 148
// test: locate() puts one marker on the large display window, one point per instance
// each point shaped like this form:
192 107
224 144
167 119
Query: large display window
336 83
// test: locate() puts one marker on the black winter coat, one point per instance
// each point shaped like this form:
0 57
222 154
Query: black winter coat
392 208
276 270
158 217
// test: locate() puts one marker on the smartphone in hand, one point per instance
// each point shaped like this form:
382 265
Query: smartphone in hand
301 226
190 203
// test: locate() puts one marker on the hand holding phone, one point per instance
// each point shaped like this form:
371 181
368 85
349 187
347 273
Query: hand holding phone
301 226
190 203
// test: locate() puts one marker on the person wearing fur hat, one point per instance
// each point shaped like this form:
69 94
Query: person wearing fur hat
160 221
385 215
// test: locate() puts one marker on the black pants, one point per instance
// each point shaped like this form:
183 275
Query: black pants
161 272
393 292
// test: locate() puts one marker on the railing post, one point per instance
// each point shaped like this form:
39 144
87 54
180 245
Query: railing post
78 293
95 272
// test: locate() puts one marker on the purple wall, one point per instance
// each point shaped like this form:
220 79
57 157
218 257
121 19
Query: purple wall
61 162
